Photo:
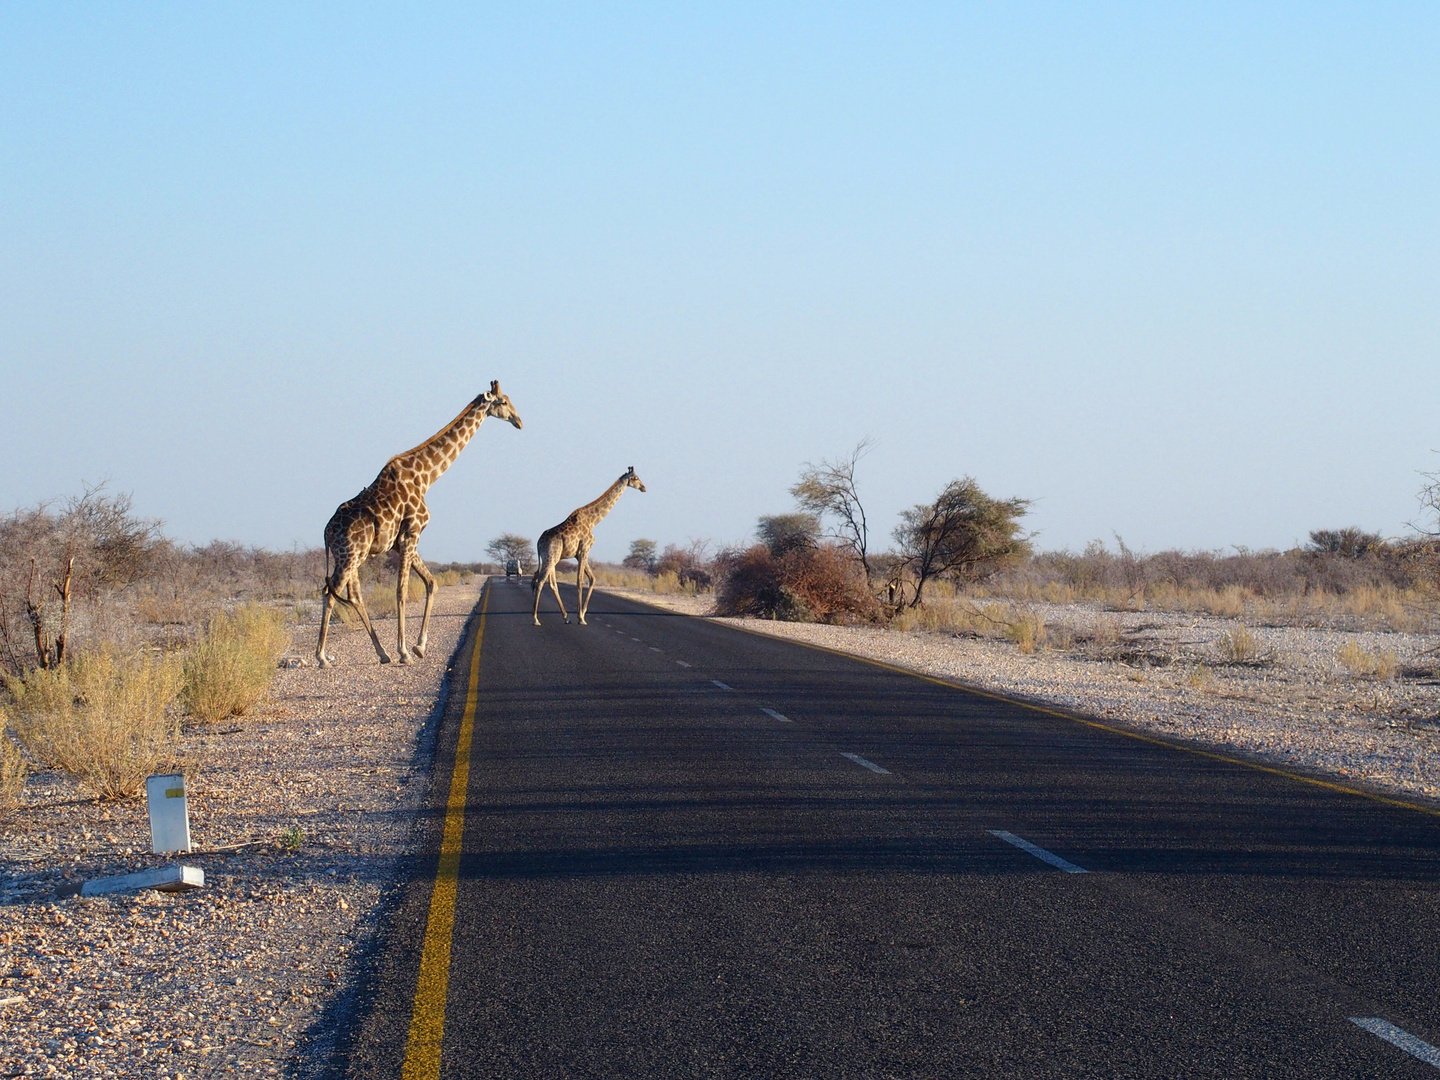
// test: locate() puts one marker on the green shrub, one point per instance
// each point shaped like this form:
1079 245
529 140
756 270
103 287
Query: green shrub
229 669
102 718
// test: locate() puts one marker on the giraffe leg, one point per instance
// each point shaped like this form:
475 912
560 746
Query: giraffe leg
402 594
582 572
556 590
590 590
320 657
357 601
537 583
429 579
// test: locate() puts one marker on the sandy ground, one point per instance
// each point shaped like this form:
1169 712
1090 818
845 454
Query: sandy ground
304 810
1294 703
315 794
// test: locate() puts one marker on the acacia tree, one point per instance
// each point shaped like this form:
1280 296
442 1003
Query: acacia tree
827 490
783 533
642 555
509 546
964 534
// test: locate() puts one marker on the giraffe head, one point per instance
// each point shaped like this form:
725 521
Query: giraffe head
498 405
631 480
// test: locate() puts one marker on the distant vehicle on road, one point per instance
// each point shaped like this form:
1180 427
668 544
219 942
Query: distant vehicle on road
512 568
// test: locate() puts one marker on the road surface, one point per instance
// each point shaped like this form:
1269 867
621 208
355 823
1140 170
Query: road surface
681 850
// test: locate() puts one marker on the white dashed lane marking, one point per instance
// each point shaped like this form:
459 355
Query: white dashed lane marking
1415 1047
776 716
858 760
1039 852
682 663
721 685
654 649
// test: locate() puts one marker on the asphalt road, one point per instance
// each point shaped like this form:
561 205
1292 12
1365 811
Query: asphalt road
689 851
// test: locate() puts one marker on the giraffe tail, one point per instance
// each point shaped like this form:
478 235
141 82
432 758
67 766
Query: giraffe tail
327 587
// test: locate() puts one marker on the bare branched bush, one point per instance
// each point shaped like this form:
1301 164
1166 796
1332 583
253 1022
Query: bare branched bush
103 718
828 492
53 559
230 668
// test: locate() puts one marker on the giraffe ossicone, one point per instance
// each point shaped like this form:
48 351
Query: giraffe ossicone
389 515
573 539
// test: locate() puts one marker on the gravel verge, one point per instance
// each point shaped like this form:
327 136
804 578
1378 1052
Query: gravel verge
302 814
1293 702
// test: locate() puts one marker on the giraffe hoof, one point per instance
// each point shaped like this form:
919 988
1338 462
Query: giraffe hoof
322 661
419 651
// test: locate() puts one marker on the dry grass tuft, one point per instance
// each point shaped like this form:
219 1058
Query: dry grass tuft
1027 631
230 668
1238 645
102 718
13 768
1378 664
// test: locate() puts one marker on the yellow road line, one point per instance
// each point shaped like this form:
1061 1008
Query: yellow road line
427 1017
1229 759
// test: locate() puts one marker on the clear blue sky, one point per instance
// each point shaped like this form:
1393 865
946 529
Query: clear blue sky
1169 271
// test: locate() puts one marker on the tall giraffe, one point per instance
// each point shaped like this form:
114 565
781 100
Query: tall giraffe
573 539
389 515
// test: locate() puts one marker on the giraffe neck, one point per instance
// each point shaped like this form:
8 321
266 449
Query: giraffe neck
595 511
437 453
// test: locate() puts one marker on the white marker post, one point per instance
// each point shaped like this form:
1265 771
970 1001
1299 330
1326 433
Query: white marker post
169 813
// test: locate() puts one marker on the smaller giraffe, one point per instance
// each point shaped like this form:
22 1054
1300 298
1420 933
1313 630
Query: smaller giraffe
573 539
389 515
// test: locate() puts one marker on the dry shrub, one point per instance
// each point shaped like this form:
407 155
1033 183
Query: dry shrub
624 577
1379 663
1027 631
1238 644
1056 592
13 768
1198 677
229 669
752 584
956 616
102 718
830 584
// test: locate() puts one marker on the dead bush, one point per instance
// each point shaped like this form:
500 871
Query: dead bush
751 584
102 718
804 584
230 668
830 584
